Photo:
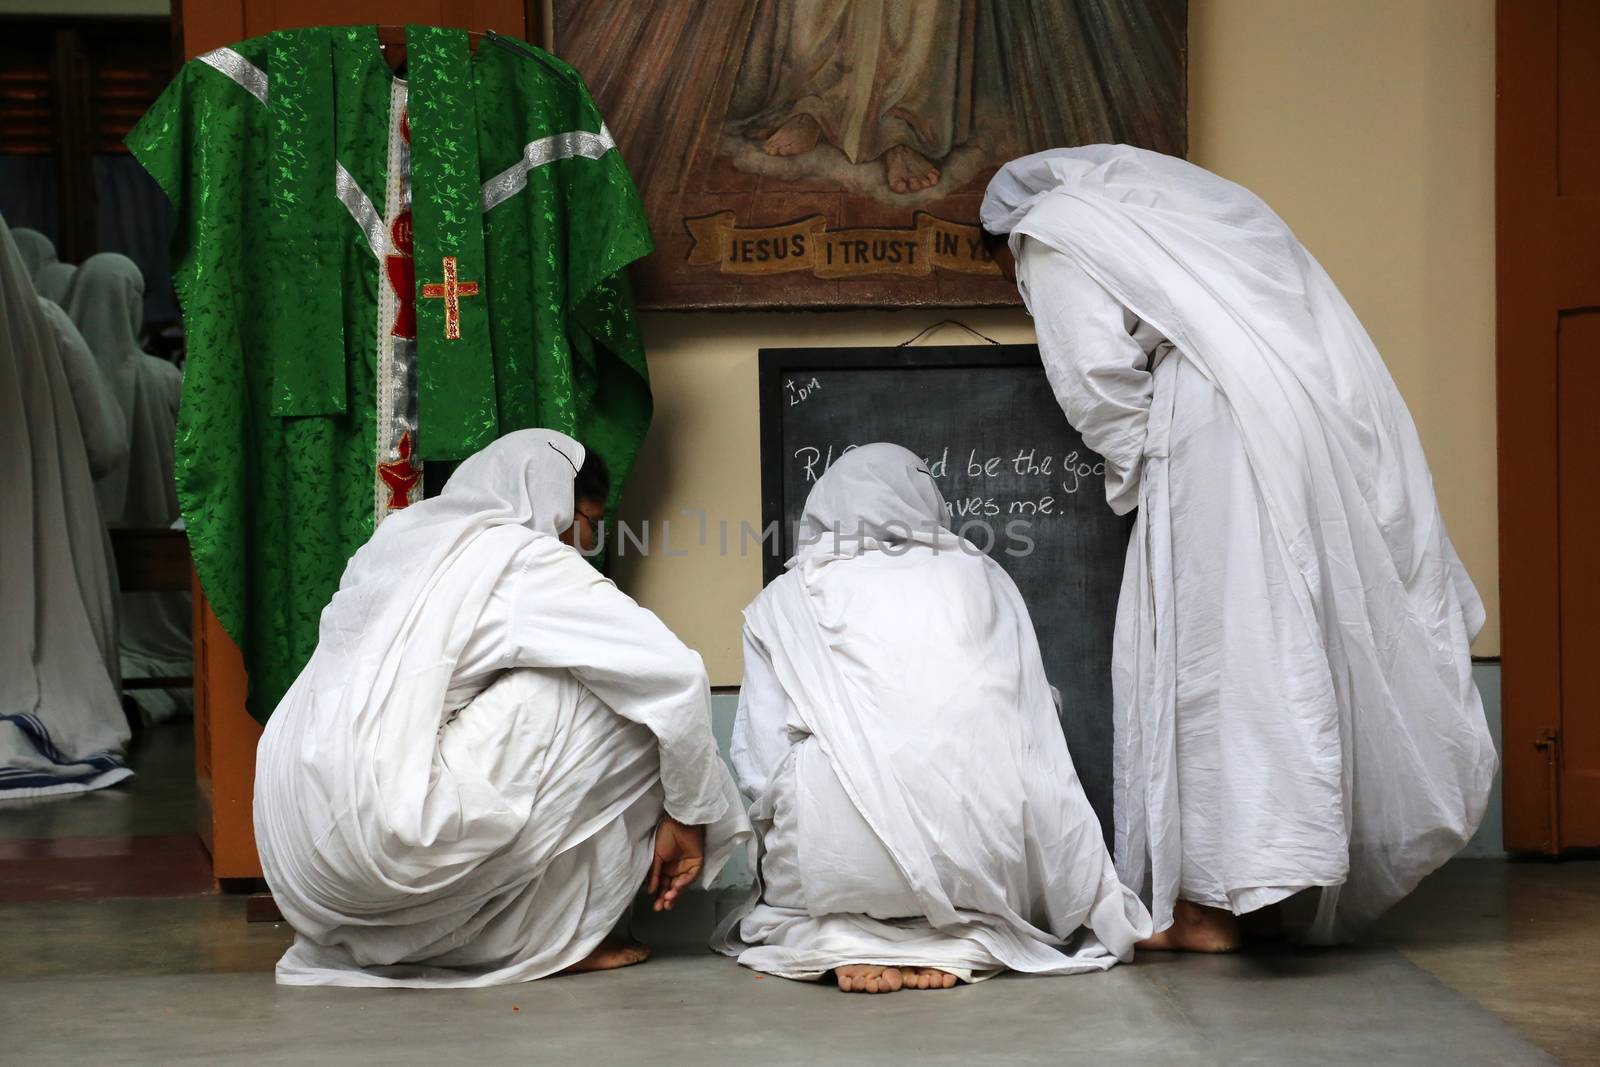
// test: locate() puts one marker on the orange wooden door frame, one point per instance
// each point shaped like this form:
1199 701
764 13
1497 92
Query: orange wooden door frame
1547 228
225 734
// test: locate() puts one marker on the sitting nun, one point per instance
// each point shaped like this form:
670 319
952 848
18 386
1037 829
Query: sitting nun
921 818
492 748
1295 718
106 304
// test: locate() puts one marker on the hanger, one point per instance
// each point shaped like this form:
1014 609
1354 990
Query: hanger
920 334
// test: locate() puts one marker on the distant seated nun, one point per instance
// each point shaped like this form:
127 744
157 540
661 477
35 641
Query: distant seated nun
1295 717
106 304
921 818
492 748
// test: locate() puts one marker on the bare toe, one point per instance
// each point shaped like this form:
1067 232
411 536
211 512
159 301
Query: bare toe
868 978
928 978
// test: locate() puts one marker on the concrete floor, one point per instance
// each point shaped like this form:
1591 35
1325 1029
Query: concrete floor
1472 970
1489 962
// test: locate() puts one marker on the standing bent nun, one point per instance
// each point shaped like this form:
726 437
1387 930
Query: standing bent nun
921 816
1294 706
491 748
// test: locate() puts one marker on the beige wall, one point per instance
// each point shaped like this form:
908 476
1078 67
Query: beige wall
1368 124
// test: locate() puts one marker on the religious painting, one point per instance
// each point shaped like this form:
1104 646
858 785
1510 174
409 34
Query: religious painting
833 153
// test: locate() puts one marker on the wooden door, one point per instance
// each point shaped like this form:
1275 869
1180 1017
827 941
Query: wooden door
1548 353
225 734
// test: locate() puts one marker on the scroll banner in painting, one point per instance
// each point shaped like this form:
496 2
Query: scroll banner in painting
808 245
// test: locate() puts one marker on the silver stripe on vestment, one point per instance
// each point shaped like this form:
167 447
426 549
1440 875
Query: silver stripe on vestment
544 151
397 356
360 207
251 78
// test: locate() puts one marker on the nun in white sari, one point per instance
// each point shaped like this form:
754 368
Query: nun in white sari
62 729
106 303
921 816
1293 692
467 784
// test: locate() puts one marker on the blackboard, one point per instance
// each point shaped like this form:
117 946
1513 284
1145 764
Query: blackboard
1002 452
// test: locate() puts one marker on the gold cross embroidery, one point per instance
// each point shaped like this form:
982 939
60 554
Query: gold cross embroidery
450 290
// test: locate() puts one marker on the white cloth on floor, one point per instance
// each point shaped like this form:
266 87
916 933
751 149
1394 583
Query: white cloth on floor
461 786
899 737
62 728
106 303
1293 693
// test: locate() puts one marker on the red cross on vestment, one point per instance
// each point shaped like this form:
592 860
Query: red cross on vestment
450 289
401 475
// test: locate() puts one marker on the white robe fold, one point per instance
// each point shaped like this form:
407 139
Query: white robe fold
908 768
105 427
462 786
1293 694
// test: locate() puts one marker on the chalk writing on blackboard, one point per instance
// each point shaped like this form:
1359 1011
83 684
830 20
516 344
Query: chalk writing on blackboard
799 392
1030 482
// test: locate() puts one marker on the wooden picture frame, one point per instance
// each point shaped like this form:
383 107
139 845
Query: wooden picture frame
782 146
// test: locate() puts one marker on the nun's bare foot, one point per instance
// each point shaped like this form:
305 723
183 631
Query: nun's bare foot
926 978
867 978
795 137
905 170
1196 928
611 954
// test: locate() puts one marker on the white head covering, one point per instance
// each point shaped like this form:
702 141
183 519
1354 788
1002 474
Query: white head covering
872 496
106 302
518 488
54 281
37 250
1211 267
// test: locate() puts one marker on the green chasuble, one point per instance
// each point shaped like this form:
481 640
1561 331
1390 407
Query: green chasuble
377 273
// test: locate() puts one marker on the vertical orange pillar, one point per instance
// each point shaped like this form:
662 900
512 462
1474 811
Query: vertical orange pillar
225 739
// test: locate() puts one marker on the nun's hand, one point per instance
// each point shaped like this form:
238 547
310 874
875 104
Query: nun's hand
680 853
